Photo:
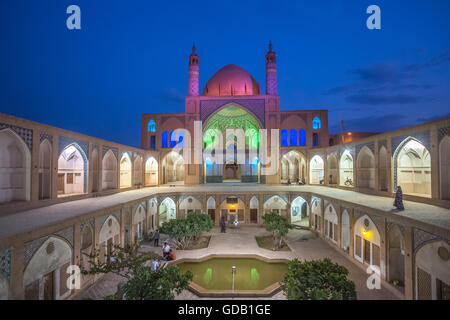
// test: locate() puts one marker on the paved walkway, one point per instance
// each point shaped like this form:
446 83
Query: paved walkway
305 244
34 219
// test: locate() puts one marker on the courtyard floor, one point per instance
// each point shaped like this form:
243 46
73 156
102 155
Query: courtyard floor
305 245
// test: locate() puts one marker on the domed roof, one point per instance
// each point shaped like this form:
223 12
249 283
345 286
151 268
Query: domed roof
231 80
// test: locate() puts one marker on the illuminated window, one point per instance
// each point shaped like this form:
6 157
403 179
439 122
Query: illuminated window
180 138
293 137
316 123
302 137
172 139
151 126
284 138
153 142
164 138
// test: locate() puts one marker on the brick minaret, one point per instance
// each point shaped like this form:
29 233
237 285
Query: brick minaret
271 71
193 73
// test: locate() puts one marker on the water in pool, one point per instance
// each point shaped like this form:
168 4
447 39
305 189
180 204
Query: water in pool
251 274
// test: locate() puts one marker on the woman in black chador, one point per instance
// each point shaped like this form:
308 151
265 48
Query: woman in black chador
398 202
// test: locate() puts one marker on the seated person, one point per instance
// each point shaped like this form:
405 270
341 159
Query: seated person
171 255
166 249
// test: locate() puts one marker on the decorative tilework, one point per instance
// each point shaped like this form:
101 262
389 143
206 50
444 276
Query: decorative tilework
349 149
223 197
255 106
420 237
90 223
48 136
315 199
118 215
382 143
32 246
370 145
442 132
113 149
376 219
25 134
5 263
127 152
195 196
282 196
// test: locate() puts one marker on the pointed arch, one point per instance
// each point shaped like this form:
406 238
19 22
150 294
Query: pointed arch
275 204
45 170
412 168
94 169
137 171
15 163
365 164
332 169
284 137
125 171
367 241
151 172
345 231
292 167
173 168
293 138
316 170
396 255
109 171
167 210
346 170
300 212
151 127
72 170
383 169
316 124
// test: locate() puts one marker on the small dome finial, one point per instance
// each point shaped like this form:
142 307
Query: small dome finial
193 48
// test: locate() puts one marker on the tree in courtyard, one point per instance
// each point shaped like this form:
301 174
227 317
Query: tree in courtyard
279 226
317 280
141 283
183 232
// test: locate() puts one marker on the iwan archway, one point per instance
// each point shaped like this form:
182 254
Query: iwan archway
233 158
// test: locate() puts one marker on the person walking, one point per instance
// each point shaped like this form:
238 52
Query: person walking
156 238
398 202
223 225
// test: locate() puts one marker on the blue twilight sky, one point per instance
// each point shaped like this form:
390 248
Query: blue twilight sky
131 57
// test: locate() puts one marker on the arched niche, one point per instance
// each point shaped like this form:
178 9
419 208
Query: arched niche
444 168
45 276
396 256
151 172
365 163
383 169
331 222
316 170
109 171
300 212
345 231
138 222
167 210
125 171
275 204
413 168
152 213
45 170
173 168
94 170
72 164
188 205
346 170
15 162
432 265
293 166
109 236
332 169
315 210
367 241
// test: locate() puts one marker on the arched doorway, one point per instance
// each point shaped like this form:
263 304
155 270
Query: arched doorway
15 162
276 204
45 169
152 213
173 168
137 173
71 171
211 208
444 168
345 231
383 169
232 208
365 168
396 251
367 241
138 223
331 223
87 240
332 169
151 172
45 275
346 170
254 208
432 262
125 171
315 209
299 212
189 205
109 171
413 168
167 210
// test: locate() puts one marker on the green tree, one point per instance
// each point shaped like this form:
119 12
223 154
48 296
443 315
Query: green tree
278 225
140 282
317 280
183 231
